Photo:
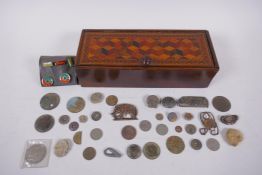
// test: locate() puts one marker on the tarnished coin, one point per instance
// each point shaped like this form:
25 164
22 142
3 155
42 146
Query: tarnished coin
49 101
175 144
151 150
64 119
44 123
96 115
190 129
89 153
75 104
97 97
152 101
178 129
62 147
133 151
196 144
172 116
96 134
35 153
213 144
145 125
78 137
128 132
159 116
73 126
188 116
168 102
221 103
162 129
111 100
83 118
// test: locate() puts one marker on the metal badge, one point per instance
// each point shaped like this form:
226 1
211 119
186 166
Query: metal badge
128 132
234 136
151 150
124 112
97 97
162 129
134 151
192 101
190 129
111 152
145 125
89 153
75 104
209 123
196 144
62 147
212 144
168 102
111 100
49 101
229 119
78 137
64 119
44 123
96 134
221 103
175 144
152 101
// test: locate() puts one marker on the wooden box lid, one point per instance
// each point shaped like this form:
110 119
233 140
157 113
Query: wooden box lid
163 48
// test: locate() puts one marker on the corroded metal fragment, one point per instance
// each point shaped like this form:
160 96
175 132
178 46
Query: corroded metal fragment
192 101
125 112
208 120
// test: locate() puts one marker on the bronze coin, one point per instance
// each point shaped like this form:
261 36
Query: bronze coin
162 129
133 151
96 134
64 119
111 100
78 137
188 116
190 129
35 153
196 144
44 123
152 101
83 118
89 153
221 103
75 104
168 102
129 132
175 144
151 150
178 129
159 116
49 101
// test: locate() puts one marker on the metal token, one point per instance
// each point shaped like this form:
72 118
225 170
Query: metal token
73 126
229 119
162 129
145 125
64 78
97 97
111 100
111 152
178 129
221 103
64 119
96 116
128 132
151 150
168 102
62 147
134 151
159 116
188 116
234 136
190 129
152 101
83 118
49 101
89 153
35 153
75 104
175 144
125 112
213 144
96 134
196 144
78 137
172 116
44 123
192 101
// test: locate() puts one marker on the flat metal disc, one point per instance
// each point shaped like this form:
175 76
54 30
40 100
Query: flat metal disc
162 129
128 132
134 151
73 126
83 118
35 153
145 125
159 116
221 103
62 147
75 104
96 115
178 129
188 116
196 144
168 102
172 116
89 153
175 144
64 119
152 101
49 101
97 97
111 100
213 144
151 150
44 123
190 129
96 134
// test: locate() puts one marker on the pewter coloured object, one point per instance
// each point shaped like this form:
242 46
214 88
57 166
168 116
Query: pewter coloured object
152 101
162 129
145 125
134 151
229 119
96 115
64 119
196 144
190 129
49 101
213 144
221 103
44 123
35 153
168 102
193 101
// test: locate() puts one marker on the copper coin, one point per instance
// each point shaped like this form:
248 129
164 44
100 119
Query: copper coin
64 119
212 144
151 150
96 115
133 151
89 153
152 101
49 101
83 118
78 137
168 102
145 125
172 116
35 153
111 100
188 116
97 97
159 116
75 104
162 129
196 144
178 129
128 132
221 103
44 123
96 134
175 144
190 129
73 126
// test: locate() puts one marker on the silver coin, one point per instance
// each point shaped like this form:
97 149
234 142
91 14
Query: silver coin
97 97
152 101
96 134
49 101
75 104
159 116
134 151
168 102
35 153
62 147
196 144
190 129
44 123
64 119
213 144
172 116
73 126
145 125
83 118
161 129
221 103
96 116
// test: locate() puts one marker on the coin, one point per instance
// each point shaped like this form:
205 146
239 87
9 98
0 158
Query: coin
175 144
221 103
35 153
168 102
97 97
159 116
172 116
128 132
78 137
44 123
152 101
196 144
83 118
190 129
49 101
75 104
151 150
96 134
64 119
145 125
96 115
73 126
62 147
188 116
178 129
89 153
111 100
212 144
162 129
234 136
133 151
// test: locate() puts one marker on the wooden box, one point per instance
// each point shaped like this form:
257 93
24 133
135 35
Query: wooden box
146 58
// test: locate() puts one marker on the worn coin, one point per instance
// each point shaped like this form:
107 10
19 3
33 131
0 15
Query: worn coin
78 137
188 116
97 97
111 100
73 126
213 144
151 150
83 118
172 116
229 119
128 132
35 153
175 144
96 115
196 144
145 125
152 101
162 129
133 151
159 116
221 103
178 129
75 104
96 134
89 153
49 101
64 119
62 147
44 123
168 102
190 129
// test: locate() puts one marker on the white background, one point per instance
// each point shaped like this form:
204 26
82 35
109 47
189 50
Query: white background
29 29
